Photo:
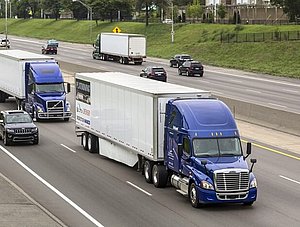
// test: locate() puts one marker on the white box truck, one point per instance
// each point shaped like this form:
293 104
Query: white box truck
170 132
36 82
120 47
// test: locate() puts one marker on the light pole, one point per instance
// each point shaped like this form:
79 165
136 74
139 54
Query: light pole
90 10
6 24
90 14
172 30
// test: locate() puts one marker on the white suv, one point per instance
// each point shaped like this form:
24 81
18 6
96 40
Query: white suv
4 43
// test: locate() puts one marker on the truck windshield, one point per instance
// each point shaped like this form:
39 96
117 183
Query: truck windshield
50 87
217 147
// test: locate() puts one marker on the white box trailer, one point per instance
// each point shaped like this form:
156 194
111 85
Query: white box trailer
12 66
121 47
124 114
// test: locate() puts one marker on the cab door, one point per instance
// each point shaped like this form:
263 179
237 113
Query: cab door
172 138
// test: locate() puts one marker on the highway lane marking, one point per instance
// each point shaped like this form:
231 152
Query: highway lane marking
274 104
273 150
236 81
254 91
289 90
137 187
289 179
65 198
68 148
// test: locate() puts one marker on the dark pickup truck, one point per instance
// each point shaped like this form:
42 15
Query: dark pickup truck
179 59
17 126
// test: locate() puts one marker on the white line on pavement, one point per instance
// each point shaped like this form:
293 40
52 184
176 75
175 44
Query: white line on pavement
68 148
137 187
254 91
274 104
289 179
74 205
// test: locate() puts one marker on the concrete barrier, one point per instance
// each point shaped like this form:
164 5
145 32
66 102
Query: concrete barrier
279 120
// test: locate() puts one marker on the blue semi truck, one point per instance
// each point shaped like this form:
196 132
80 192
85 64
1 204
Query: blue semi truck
36 82
174 135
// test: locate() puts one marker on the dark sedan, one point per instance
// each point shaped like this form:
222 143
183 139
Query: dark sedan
191 68
179 59
155 73
49 49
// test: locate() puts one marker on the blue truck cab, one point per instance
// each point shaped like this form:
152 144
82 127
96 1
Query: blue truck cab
46 91
203 153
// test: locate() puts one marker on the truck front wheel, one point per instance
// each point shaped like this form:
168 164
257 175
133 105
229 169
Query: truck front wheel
159 176
148 171
193 195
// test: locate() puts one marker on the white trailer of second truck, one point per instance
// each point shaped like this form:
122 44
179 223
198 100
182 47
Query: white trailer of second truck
121 116
12 65
121 47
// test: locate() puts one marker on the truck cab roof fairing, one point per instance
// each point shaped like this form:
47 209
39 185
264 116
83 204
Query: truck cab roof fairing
46 72
207 116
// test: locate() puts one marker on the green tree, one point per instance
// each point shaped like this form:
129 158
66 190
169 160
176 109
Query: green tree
53 7
290 7
195 10
221 11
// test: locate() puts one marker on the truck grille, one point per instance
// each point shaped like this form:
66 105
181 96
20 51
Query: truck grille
22 130
231 180
55 106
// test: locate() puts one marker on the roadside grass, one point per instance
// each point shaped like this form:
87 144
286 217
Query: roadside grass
199 40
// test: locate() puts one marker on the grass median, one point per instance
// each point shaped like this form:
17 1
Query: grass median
202 41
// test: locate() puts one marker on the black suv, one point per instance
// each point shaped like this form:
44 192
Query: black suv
155 73
191 68
179 59
17 126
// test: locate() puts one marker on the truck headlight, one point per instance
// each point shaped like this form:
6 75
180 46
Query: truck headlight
10 130
39 109
206 185
253 183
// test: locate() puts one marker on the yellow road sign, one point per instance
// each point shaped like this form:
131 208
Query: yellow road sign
116 30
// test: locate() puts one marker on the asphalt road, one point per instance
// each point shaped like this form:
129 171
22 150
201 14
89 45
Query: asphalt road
278 93
84 189
102 190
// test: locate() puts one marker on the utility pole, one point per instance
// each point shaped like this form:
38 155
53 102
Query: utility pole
6 24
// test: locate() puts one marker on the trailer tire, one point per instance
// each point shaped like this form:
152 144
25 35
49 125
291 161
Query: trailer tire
84 137
159 176
193 196
148 171
126 61
92 143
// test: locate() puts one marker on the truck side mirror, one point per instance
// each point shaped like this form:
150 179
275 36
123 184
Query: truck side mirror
253 161
248 151
68 87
